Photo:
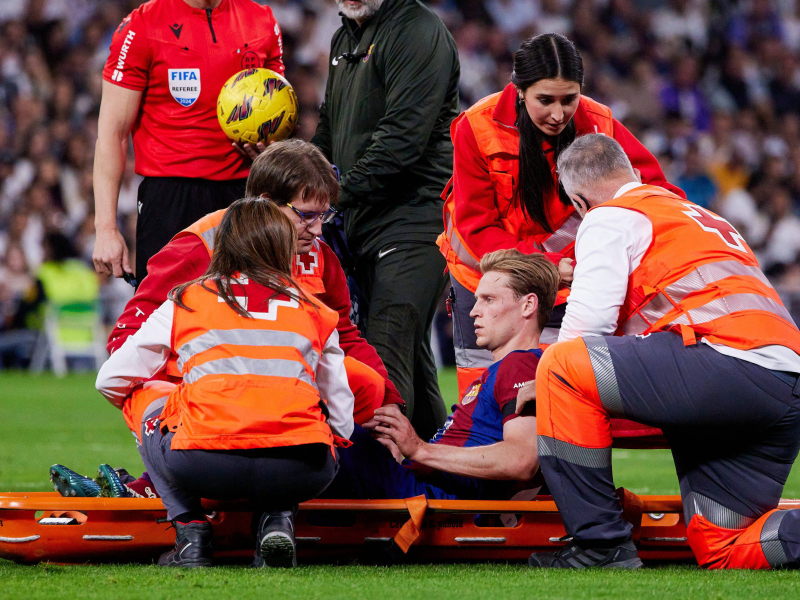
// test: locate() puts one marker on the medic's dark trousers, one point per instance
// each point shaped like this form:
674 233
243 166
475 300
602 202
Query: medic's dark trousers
734 430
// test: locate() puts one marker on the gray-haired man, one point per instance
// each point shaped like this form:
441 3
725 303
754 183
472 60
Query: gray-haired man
708 354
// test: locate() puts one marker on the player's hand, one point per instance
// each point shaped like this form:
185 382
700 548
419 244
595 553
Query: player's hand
392 447
371 424
525 394
394 425
110 256
566 268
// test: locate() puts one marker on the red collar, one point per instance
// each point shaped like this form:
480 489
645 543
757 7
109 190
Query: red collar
506 110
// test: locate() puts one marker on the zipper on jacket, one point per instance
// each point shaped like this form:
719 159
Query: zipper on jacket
210 26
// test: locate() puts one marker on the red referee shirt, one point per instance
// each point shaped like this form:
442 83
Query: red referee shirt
180 57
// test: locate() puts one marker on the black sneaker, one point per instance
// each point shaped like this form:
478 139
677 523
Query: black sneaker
192 546
275 545
572 556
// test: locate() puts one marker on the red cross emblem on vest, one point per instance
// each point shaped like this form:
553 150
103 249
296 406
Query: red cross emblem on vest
716 224
150 426
307 263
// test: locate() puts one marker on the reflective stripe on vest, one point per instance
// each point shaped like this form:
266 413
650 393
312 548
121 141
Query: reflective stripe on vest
455 244
248 337
660 305
239 365
731 304
563 236
208 236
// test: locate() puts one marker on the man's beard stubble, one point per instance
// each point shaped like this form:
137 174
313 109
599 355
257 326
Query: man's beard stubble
366 10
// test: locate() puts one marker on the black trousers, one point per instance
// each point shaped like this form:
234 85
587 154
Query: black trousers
168 205
402 285
272 478
733 427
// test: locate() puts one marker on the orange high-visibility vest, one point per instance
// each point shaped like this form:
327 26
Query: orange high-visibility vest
499 145
307 269
699 276
247 382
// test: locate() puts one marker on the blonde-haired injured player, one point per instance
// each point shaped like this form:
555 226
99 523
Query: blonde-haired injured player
484 449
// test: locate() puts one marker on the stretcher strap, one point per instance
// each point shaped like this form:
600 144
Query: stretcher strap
410 531
632 510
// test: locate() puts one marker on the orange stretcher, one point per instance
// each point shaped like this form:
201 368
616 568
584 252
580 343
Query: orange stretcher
38 527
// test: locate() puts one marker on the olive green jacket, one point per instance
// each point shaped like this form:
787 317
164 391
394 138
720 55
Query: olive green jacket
391 95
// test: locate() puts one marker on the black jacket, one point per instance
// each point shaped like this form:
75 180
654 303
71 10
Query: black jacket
391 95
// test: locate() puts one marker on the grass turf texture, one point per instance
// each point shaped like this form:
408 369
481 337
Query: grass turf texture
44 420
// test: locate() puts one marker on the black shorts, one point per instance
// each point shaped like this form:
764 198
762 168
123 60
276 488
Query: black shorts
168 205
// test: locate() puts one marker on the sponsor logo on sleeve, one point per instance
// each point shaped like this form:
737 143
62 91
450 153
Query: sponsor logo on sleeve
123 54
184 85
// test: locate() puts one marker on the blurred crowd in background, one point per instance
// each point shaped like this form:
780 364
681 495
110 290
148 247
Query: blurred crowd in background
711 88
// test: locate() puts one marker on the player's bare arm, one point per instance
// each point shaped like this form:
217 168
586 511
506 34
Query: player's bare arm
514 459
118 109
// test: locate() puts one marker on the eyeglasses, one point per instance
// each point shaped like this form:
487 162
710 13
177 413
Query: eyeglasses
309 218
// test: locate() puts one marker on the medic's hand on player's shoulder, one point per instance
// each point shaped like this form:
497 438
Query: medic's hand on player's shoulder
395 426
525 394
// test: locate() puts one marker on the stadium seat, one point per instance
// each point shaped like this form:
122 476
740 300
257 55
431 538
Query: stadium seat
69 331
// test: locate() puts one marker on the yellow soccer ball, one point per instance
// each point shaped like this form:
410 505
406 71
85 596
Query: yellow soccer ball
257 105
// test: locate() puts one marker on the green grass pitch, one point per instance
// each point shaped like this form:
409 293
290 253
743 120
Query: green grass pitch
44 420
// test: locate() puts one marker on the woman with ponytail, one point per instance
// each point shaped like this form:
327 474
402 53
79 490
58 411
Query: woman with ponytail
263 397
505 192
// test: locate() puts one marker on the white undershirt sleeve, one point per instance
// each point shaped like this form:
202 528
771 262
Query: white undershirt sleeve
333 387
141 357
609 246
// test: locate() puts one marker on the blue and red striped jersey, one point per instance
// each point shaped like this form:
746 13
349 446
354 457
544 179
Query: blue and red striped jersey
489 403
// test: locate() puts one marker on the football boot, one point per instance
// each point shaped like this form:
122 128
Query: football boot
68 483
110 483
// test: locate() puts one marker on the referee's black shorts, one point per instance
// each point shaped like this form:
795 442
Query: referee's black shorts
168 205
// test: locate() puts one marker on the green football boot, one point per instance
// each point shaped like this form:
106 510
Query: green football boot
110 483
68 483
